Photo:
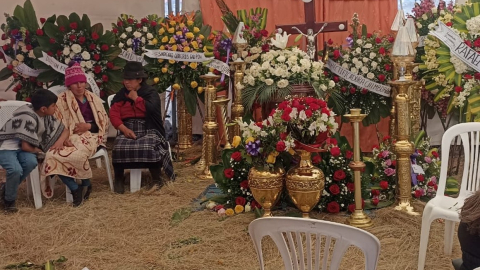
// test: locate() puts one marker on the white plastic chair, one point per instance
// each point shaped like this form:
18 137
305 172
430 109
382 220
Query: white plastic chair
447 207
135 174
33 180
289 233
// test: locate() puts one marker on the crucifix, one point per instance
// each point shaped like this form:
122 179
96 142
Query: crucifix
310 29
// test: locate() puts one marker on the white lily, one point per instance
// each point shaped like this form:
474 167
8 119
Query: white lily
280 40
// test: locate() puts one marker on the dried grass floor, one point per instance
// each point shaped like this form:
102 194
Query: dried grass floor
135 231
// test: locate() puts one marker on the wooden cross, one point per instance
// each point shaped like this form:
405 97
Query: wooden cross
311 28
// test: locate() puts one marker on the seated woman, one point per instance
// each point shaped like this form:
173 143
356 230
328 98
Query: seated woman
83 113
136 112
469 232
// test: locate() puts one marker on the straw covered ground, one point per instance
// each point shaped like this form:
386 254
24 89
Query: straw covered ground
158 230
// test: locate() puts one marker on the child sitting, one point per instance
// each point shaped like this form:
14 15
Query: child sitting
31 131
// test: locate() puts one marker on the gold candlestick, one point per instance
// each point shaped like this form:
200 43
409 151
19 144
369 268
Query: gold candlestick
358 218
237 108
397 62
414 96
222 103
184 123
210 127
403 147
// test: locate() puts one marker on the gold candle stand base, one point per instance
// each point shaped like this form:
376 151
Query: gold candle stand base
358 218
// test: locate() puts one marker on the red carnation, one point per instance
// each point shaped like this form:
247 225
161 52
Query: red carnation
264 33
50 53
352 90
29 47
229 173
381 78
384 184
336 79
81 40
476 43
351 187
105 78
144 20
467 76
28 99
330 41
74 25
388 67
138 25
458 89
449 24
97 69
120 23
43 20
378 40
418 193
59 52
349 154
468 43
153 23
435 154
364 91
343 89
104 47
10 67
334 189
375 192
14 32
61 28
72 37
286 117
339 175
351 208
369 35
96 57
308 113
477 76
39 32
254 204
240 201
283 135
375 201
244 184
391 39
381 51
335 151
316 159
420 177
130 20
52 41
115 30
280 146
333 207
394 163
92 46
110 65
95 36
336 54
236 156
4 36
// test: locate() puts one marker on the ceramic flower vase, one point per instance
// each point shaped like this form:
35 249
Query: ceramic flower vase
266 187
305 183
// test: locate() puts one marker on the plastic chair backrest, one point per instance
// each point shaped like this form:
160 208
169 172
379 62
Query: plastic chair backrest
109 100
7 108
290 233
470 136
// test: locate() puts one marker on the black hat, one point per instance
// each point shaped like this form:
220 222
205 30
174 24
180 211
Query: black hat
134 70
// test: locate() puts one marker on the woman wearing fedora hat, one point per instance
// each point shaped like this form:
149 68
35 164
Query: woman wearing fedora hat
136 112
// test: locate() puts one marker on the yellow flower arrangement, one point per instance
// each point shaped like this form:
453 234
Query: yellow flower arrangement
229 212
239 209
181 33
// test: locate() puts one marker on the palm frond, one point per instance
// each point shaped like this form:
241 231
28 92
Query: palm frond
338 101
266 93
282 93
249 94
231 22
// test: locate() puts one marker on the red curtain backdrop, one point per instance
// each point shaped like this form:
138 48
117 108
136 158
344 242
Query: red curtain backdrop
378 15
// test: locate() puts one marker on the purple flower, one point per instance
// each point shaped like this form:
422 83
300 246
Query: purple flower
428 160
388 162
389 171
350 42
253 148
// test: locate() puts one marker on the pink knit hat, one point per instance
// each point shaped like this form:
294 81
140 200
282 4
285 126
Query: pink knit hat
74 74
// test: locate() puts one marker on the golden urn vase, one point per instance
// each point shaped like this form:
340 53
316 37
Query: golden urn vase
266 187
305 183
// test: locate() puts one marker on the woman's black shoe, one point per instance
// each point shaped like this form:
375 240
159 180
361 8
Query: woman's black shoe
88 192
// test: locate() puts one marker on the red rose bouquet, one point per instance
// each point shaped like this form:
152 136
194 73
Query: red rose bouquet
19 38
75 39
308 120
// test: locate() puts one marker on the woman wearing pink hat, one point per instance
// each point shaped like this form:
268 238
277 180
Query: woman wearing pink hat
82 112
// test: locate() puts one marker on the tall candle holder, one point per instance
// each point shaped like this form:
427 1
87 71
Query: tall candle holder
403 147
237 108
358 218
222 103
210 127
